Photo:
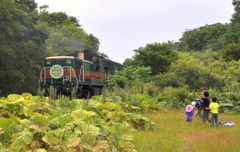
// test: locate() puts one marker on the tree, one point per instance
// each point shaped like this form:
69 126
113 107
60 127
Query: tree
129 76
195 73
20 45
231 52
157 56
56 18
205 37
236 16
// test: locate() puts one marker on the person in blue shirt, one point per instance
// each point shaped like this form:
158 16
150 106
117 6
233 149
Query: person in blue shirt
189 114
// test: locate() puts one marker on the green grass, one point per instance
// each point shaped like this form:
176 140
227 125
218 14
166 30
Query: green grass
173 134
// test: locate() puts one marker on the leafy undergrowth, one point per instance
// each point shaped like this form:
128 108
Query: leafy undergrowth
173 134
39 124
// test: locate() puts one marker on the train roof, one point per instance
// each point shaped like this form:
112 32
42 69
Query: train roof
60 57
113 61
65 57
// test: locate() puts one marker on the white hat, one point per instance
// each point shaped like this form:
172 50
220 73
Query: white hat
193 104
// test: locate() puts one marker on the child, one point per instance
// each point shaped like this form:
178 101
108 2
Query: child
189 114
214 110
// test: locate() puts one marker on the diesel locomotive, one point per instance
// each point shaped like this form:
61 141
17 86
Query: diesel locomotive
85 71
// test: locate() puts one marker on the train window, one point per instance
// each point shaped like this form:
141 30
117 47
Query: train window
106 69
97 67
68 61
48 61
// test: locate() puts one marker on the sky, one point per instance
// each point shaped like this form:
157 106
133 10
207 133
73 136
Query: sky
126 25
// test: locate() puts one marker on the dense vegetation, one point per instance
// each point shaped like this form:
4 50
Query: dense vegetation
160 76
203 58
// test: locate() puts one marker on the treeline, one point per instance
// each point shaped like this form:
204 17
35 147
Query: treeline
203 58
27 36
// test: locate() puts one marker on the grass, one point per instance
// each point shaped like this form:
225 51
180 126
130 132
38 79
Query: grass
173 134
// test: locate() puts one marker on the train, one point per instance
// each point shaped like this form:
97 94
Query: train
85 72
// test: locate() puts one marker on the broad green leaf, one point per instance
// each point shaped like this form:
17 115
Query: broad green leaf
29 113
73 141
82 114
89 128
226 104
64 119
51 139
88 141
5 121
41 121
24 138
12 99
27 95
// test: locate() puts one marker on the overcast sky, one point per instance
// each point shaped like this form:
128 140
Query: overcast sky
125 25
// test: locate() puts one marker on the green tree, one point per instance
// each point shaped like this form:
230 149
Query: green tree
195 73
205 37
56 18
20 45
231 52
129 76
157 56
66 34
236 16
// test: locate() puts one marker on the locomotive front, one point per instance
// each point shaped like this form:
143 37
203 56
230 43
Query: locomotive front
60 72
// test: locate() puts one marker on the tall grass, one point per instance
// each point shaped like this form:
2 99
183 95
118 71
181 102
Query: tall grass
173 134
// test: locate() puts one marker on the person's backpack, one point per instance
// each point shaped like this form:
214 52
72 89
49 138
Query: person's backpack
199 103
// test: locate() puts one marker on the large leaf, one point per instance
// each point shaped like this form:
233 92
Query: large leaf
25 137
4 121
64 119
12 99
51 139
88 128
83 114
226 104
41 121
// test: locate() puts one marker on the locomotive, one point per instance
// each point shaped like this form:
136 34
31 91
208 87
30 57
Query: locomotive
85 71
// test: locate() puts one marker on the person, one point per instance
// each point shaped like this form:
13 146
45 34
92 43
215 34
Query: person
189 114
214 110
206 101
199 106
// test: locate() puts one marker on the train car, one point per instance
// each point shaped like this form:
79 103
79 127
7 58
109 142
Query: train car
84 71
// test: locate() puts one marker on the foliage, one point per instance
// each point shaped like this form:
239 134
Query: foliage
34 123
199 38
129 76
20 45
157 56
231 52
236 16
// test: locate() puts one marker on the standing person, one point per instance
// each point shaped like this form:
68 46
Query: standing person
214 110
189 114
206 101
199 106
